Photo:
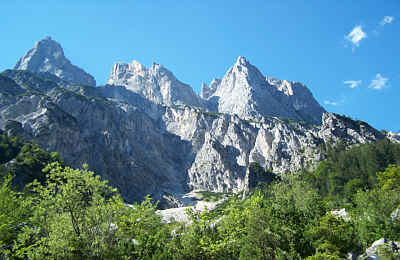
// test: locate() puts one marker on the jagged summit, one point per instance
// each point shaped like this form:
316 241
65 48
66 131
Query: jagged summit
47 55
245 91
207 91
241 61
155 83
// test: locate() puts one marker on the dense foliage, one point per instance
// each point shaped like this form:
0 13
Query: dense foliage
347 170
24 160
73 214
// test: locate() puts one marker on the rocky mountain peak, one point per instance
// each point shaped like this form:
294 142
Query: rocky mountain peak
284 86
204 91
155 83
47 55
245 70
145 148
241 61
50 47
245 91
214 83
156 66
207 91
137 66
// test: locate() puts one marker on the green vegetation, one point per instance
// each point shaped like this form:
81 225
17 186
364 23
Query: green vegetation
23 160
259 176
211 196
73 214
347 170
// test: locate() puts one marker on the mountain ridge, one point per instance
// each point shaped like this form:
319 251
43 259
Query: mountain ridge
243 91
146 146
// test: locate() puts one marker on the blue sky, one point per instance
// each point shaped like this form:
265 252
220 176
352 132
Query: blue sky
346 52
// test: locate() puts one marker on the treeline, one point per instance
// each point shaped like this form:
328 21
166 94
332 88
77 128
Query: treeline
73 214
345 171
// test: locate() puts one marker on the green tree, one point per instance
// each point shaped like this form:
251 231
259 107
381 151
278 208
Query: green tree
373 215
277 221
390 178
76 215
72 216
327 251
141 233
336 232
347 170
14 212
9 147
201 239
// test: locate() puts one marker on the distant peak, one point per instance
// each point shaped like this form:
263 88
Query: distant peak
137 65
47 55
156 66
241 60
135 62
48 47
215 81
47 41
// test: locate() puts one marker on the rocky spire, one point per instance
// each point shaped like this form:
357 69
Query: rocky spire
155 83
245 91
47 55
207 91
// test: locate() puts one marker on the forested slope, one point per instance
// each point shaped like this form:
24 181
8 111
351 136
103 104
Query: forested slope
74 215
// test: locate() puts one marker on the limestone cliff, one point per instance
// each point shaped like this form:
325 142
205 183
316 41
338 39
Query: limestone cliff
175 149
156 83
244 91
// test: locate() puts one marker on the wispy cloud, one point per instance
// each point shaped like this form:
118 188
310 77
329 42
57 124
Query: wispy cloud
379 27
379 82
386 20
352 83
356 35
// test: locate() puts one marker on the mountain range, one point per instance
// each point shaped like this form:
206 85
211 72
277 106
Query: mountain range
149 133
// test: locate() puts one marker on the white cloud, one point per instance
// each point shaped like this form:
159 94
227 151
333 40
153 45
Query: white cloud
386 20
356 35
352 83
379 82
332 103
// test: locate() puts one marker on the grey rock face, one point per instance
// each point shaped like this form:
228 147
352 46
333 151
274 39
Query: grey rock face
223 145
243 91
48 56
298 98
393 137
148 133
207 91
246 92
337 128
9 87
117 140
144 148
156 83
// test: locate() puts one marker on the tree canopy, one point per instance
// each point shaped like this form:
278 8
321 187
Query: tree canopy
67 213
